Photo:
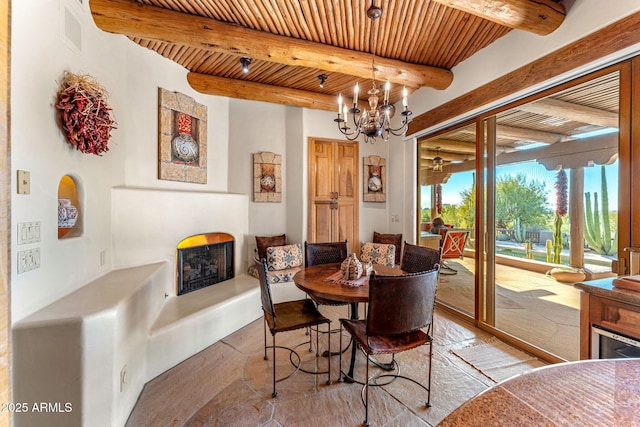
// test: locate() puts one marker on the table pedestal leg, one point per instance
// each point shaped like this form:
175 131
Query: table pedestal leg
354 316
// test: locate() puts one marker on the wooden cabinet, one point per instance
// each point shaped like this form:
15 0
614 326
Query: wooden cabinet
333 192
603 305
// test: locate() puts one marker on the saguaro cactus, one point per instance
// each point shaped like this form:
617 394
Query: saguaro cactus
598 227
519 231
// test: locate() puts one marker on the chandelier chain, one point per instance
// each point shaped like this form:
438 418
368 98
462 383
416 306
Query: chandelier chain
372 47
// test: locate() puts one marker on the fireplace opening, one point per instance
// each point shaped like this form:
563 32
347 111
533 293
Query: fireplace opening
204 260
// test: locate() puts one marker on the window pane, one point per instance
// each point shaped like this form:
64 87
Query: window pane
556 210
447 193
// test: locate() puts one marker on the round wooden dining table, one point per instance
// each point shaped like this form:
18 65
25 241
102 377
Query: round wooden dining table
315 282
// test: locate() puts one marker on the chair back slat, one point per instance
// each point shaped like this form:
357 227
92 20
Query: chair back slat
419 258
401 304
265 293
453 243
325 253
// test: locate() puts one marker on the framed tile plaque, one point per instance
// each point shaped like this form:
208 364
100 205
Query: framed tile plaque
267 177
182 138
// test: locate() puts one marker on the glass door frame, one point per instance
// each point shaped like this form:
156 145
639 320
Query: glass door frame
485 230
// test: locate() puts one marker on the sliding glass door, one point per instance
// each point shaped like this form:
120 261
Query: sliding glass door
556 209
540 185
447 192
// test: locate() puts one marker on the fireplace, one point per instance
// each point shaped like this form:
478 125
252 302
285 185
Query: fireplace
204 260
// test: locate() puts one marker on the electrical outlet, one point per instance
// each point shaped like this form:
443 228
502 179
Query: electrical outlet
103 257
28 260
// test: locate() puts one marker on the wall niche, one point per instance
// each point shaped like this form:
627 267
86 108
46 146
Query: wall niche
69 214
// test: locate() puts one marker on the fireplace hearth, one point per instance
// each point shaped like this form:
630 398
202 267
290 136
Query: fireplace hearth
204 260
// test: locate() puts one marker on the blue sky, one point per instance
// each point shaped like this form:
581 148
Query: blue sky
534 172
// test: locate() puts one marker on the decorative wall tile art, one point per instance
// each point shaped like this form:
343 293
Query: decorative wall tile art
182 139
374 170
267 177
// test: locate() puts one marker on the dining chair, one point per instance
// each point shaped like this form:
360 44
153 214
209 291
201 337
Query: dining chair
399 318
419 258
287 316
326 253
453 243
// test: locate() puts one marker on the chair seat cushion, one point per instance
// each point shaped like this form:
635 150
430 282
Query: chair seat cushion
381 344
297 314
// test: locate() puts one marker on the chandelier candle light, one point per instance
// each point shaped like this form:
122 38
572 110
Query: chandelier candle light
375 122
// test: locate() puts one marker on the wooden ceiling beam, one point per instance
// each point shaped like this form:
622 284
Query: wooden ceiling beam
149 22
525 134
568 110
599 150
540 17
447 157
242 89
450 145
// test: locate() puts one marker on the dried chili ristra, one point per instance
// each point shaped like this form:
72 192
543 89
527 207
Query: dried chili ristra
85 116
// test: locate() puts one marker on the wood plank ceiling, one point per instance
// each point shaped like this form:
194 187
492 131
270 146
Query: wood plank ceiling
291 42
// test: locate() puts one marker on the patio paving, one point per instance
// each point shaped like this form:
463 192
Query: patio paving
531 306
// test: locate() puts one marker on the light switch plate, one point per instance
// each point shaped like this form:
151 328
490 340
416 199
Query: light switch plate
24 182
28 232
28 260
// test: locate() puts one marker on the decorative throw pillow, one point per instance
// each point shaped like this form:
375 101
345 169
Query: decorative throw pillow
283 257
378 253
390 239
263 242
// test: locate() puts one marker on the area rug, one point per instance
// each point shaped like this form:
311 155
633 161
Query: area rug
497 360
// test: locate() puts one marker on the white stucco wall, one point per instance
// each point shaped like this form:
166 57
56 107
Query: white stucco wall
256 127
131 74
236 129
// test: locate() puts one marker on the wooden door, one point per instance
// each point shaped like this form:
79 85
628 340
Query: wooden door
333 192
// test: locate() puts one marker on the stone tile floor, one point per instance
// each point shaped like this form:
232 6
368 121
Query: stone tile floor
229 384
